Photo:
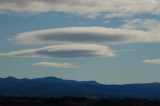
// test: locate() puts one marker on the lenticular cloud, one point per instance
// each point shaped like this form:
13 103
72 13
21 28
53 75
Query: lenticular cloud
87 35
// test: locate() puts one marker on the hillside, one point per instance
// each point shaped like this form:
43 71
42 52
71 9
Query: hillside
56 87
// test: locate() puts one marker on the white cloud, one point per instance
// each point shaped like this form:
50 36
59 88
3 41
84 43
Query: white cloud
54 65
143 24
87 35
64 51
152 61
89 8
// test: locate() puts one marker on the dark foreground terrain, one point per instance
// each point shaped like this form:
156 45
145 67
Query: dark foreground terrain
75 101
56 87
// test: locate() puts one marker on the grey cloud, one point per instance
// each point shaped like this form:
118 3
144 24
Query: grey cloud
64 51
86 35
89 8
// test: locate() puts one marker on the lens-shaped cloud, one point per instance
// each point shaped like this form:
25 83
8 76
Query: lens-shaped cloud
54 65
152 61
87 35
64 51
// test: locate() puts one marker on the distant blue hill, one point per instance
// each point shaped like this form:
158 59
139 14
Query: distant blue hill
52 86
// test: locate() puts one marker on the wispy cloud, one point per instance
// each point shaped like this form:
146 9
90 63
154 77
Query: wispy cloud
64 51
142 24
89 8
87 35
55 65
152 61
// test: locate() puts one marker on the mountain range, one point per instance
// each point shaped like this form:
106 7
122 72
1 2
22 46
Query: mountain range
56 87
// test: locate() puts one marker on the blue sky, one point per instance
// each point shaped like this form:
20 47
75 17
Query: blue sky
112 42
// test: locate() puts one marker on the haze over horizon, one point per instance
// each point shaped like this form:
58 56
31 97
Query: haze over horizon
111 42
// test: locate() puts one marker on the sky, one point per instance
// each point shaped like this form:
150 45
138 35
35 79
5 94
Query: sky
108 41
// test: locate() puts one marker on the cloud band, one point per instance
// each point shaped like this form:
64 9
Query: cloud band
55 65
87 35
64 51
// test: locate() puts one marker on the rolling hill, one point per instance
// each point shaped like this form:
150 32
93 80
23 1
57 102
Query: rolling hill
56 87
